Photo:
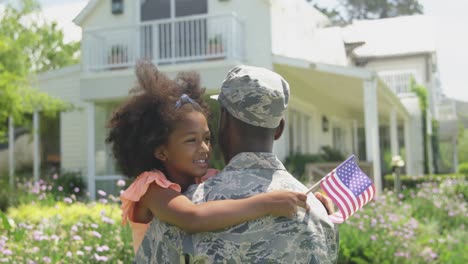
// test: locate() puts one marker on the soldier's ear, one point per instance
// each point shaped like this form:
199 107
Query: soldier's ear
279 130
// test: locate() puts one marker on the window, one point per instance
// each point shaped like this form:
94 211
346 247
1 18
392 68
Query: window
398 81
117 7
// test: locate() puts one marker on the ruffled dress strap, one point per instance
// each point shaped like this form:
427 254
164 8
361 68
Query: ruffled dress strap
139 187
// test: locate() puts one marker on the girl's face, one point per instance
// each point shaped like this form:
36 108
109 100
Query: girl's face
186 153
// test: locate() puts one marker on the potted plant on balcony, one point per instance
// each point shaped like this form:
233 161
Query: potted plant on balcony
215 47
118 54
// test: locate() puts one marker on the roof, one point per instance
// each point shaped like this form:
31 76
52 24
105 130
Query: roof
78 20
392 36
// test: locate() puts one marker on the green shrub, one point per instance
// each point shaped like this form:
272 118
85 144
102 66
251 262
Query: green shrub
296 163
74 233
67 183
7 199
410 182
463 169
424 225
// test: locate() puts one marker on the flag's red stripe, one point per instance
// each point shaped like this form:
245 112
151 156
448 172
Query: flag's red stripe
360 199
347 193
339 196
331 192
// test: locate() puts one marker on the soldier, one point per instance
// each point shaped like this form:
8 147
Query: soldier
253 101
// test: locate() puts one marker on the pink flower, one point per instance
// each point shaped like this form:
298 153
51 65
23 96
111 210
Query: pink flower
79 253
102 193
107 220
96 234
88 248
46 260
100 258
77 238
373 237
102 249
69 254
68 200
7 252
60 188
55 176
76 189
121 183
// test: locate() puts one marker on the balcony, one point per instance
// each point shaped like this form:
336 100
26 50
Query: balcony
169 41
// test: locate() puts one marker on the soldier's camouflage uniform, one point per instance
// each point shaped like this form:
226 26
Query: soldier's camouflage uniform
309 238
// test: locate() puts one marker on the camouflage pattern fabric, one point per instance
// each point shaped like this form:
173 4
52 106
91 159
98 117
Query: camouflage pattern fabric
309 238
257 96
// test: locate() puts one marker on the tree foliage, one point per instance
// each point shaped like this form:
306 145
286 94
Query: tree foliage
350 10
28 45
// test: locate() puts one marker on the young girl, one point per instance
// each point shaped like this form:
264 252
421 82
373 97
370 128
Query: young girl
160 137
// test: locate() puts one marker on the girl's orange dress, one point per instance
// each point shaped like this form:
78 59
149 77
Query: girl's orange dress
134 193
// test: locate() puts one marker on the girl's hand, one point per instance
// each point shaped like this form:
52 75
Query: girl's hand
326 201
285 203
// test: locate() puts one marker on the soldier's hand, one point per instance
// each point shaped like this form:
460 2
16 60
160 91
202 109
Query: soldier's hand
326 201
285 203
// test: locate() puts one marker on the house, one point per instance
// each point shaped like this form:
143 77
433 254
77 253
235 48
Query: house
334 101
399 50
452 116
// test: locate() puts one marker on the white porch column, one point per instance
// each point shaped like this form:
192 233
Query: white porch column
394 133
91 151
355 138
36 154
11 150
295 134
307 135
408 149
372 130
429 142
455 154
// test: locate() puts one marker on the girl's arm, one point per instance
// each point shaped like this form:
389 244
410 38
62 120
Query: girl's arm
176 209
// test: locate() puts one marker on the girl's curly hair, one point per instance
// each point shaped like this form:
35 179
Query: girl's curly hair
144 121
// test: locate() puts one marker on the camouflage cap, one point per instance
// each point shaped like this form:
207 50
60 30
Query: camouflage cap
257 96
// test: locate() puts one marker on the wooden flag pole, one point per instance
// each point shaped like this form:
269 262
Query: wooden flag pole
315 185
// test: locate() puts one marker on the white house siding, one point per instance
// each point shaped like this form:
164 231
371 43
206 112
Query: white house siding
420 66
115 85
297 33
65 84
255 16
414 159
101 15
413 64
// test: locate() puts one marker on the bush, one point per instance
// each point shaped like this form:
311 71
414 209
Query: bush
295 163
463 169
411 182
66 184
74 233
425 225
45 228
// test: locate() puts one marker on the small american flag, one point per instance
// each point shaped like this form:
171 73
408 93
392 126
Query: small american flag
349 188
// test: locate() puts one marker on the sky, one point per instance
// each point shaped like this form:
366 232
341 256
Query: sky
451 32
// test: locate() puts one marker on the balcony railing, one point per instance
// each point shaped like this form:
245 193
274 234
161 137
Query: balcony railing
168 41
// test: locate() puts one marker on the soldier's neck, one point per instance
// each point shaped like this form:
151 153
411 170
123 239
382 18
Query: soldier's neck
249 146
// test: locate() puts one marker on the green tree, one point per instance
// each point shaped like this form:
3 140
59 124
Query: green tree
350 10
27 46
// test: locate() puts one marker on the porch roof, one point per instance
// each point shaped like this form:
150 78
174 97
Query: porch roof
336 90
